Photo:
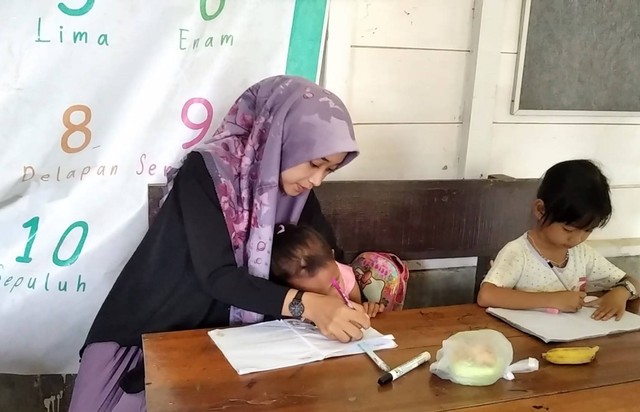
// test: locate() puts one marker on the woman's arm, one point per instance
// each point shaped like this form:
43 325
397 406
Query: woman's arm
215 266
210 246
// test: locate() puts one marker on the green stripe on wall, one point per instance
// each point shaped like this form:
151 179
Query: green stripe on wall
306 38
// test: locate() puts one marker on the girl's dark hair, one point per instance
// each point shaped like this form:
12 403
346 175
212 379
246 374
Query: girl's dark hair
297 250
576 193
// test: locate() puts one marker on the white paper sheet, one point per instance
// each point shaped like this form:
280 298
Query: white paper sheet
565 327
282 343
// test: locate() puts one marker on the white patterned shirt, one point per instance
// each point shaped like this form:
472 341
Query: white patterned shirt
519 266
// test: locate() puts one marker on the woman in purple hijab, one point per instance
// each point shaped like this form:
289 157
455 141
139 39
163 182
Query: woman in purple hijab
205 260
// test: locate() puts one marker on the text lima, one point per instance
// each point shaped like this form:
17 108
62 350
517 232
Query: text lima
69 36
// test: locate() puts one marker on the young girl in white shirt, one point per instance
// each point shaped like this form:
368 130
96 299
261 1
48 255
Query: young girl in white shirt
549 266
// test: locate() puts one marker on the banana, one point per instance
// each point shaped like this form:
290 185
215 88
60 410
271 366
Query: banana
571 356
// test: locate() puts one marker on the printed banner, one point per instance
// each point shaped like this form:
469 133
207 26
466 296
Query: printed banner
97 100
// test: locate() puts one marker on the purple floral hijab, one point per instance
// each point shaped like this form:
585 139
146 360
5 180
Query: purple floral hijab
276 124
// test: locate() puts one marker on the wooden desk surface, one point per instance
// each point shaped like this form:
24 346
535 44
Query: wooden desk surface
186 372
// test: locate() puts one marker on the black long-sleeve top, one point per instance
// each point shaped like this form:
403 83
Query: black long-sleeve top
183 275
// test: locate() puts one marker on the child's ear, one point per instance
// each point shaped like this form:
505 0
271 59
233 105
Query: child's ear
333 253
538 209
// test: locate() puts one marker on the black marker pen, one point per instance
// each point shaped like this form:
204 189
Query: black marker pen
408 366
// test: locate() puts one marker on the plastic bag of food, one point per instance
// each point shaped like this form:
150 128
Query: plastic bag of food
478 358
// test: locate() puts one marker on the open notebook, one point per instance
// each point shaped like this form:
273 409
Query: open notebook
281 343
565 327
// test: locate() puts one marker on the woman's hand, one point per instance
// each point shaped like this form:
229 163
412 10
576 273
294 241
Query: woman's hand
333 318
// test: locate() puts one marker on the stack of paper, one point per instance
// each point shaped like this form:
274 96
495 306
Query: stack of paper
565 327
281 343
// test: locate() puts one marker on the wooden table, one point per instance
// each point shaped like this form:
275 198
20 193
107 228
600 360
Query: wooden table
186 372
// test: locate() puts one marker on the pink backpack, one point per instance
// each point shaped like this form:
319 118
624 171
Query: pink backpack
382 277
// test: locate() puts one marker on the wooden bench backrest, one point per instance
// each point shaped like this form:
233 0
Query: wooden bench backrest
425 219
428 219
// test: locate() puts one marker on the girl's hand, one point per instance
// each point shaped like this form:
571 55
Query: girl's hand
567 301
372 309
613 303
333 318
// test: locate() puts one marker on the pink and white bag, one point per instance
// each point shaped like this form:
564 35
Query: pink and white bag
382 277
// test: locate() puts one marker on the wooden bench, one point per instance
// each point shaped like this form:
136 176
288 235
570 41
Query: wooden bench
426 219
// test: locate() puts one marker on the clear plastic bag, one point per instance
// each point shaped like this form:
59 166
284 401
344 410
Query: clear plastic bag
478 358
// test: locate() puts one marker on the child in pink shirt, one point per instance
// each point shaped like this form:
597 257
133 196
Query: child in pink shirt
302 258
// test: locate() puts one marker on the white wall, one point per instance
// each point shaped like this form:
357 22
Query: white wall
400 66
429 85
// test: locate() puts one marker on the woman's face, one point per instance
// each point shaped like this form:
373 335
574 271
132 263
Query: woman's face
305 176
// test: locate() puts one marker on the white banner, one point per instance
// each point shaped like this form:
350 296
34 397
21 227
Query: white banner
97 99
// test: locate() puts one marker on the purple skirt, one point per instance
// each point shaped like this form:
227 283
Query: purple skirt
97 386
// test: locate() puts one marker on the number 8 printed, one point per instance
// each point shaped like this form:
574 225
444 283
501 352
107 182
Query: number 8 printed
72 128
202 126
